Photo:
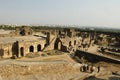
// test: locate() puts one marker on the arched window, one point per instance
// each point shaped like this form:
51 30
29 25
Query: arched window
70 43
39 48
31 49
1 52
75 42
22 51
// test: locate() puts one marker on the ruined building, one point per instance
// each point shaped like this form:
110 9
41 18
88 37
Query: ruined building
21 44
24 40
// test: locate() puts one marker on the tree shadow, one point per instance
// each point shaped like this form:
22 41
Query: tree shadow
114 78
93 78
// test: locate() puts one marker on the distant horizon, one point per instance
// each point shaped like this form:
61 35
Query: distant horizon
57 25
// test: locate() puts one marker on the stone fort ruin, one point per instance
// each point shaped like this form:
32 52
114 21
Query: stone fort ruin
24 40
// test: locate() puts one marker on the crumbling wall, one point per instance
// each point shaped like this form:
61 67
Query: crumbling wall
25 30
6 50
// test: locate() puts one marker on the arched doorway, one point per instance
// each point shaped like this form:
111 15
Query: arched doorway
22 51
70 43
39 48
58 44
75 42
1 53
31 49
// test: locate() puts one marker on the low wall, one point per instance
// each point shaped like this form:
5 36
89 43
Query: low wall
94 58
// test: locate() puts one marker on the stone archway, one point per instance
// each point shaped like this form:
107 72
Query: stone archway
39 48
22 51
58 44
31 49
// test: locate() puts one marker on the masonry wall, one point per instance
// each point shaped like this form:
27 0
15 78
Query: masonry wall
94 58
70 44
6 50
29 45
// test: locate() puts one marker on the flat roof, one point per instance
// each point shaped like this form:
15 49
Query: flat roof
4 40
2 31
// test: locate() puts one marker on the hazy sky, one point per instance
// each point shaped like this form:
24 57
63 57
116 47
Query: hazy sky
63 12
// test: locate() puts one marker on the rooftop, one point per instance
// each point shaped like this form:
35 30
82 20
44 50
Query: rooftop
5 31
19 38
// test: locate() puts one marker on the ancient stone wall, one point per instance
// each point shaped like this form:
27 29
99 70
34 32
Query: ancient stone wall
67 44
6 50
25 47
25 30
